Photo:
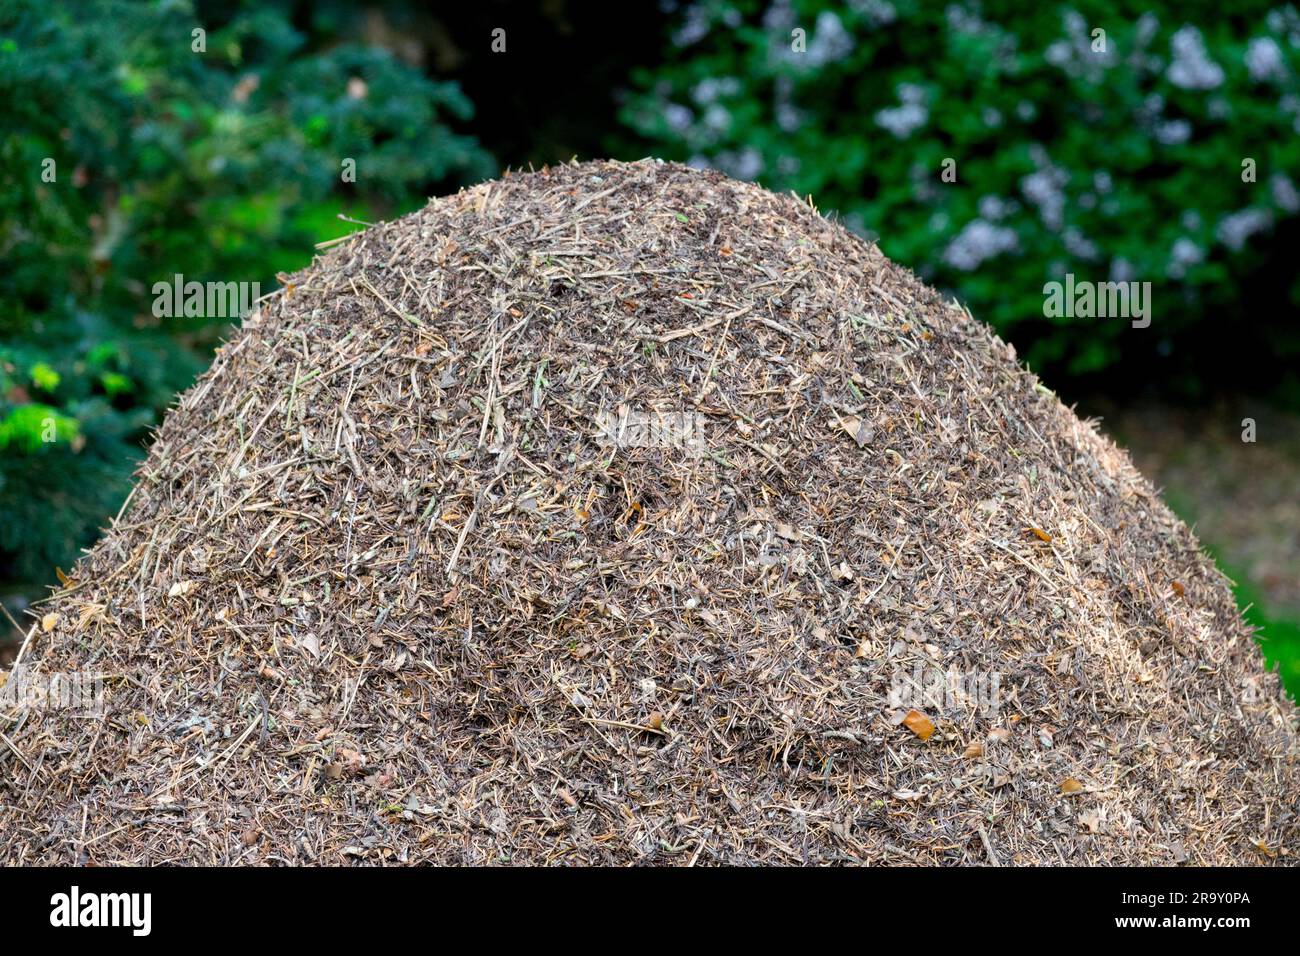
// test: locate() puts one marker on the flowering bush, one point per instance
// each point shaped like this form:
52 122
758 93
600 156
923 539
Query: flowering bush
997 147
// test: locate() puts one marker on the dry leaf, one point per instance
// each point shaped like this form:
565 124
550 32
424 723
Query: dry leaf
1179 589
180 589
351 759
974 750
655 721
919 724
1070 785
857 429
1092 820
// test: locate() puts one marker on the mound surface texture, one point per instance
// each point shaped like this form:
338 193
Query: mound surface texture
389 590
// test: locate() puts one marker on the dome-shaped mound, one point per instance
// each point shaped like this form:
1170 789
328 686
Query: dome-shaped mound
625 513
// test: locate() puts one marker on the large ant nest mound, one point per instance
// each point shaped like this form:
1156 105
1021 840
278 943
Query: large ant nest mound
624 513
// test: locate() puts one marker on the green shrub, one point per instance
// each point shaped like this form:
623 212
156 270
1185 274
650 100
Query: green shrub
222 165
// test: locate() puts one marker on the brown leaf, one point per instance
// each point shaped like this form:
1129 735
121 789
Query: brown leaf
1179 589
857 429
1070 785
351 758
974 750
919 724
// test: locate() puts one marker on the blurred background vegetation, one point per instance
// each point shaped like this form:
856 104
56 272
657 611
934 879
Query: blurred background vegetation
129 155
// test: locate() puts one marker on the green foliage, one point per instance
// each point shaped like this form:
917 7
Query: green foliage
1123 163
127 157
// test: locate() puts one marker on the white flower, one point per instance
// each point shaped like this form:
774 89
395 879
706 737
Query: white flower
903 120
1173 132
1264 60
1192 68
1079 245
994 208
1045 188
879 12
978 241
1284 193
717 118
1184 253
1237 227
678 116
